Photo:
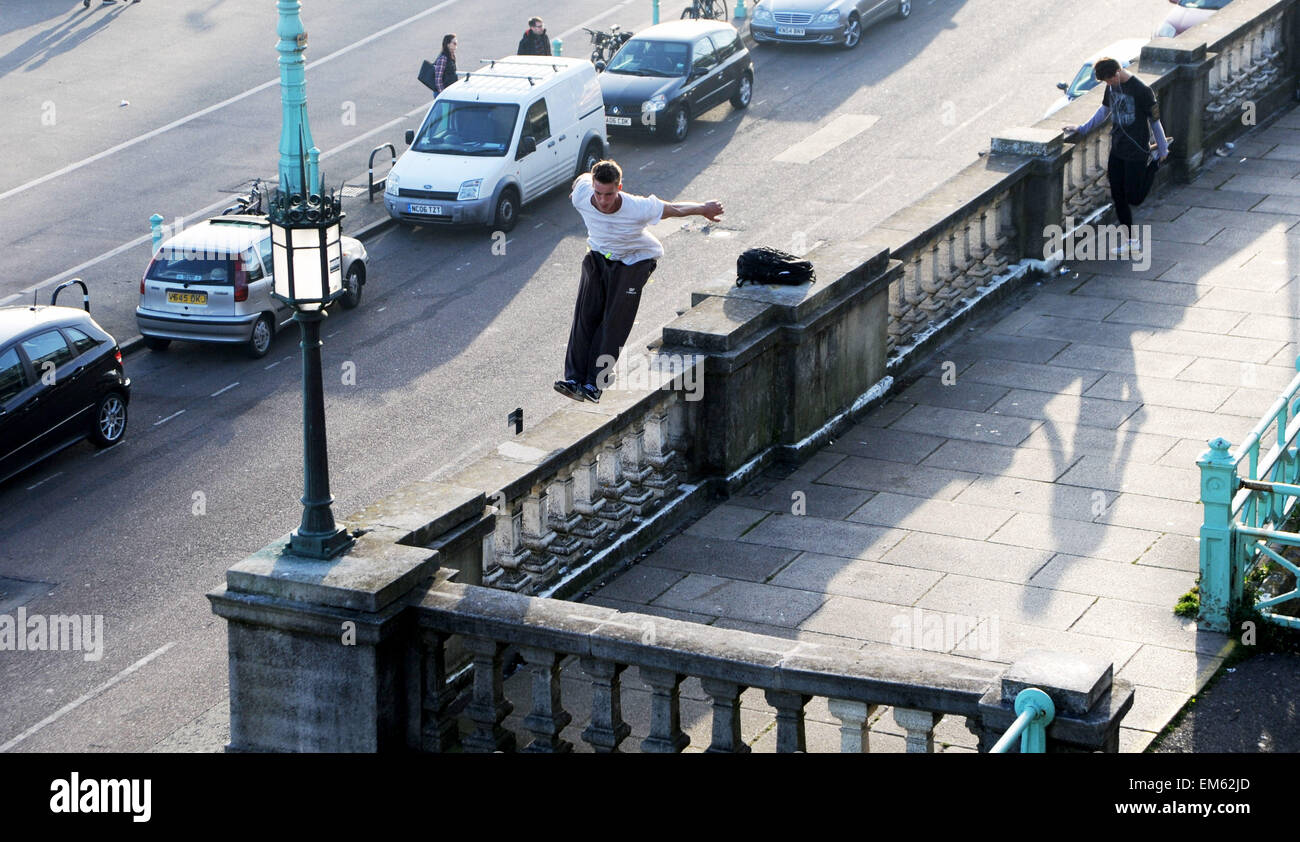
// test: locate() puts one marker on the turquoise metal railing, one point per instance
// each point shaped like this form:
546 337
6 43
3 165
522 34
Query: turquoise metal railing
1248 499
1035 712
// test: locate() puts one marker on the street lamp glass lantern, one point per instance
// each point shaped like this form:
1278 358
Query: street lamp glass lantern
308 261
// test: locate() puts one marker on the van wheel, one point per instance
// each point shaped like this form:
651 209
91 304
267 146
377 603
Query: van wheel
507 210
590 157
155 343
109 420
260 340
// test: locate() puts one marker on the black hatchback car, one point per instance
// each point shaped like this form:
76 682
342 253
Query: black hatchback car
61 381
673 72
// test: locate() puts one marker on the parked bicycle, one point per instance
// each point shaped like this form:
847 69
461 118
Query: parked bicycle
605 45
250 202
707 10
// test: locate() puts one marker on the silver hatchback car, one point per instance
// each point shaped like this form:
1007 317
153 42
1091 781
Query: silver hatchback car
212 283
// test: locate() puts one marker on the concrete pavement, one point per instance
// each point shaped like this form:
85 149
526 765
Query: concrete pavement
1035 484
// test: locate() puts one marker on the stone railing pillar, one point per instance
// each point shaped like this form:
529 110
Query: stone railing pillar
489 707
727 737
789 720
548 717
606 729
918 726
855 722
1037 205
666 735
438 725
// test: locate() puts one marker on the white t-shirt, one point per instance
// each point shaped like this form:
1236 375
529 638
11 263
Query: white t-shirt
621 235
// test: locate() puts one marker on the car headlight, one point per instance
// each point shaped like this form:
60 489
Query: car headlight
655 103
762 15
390 185
827 17
469 190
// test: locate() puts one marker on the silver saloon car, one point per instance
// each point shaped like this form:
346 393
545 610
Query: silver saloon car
819 21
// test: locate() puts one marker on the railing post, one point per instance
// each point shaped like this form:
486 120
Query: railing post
548 716
919 725
855 722
666 735
1220 588
789 720
438 728
489 707
727 737
606 729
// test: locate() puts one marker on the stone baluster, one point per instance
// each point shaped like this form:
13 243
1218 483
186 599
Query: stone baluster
976 250
897 333
932 282
958 259
636 471
666 735
855 724
1072 186
606 729
609 471
588 502
1008 248
488 708
1098 190
536 537
508 551
789 720
548 716
919 727
437 724
727 737
914 294
564 520
659 454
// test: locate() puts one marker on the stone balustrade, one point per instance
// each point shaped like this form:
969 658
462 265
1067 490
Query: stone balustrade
921 688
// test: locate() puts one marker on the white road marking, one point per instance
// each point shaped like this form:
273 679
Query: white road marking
168 418
591 20
230 101
538 225
73 705
646 164
842 128
880 183
227 389
272 365
978 115
42 482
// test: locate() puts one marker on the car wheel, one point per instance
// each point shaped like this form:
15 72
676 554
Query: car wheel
109 421
155 343
590 157
904 9
352 284
852 32
745 92
507 210
260 340
679 124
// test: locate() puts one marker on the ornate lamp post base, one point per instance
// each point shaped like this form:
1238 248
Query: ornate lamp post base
323 545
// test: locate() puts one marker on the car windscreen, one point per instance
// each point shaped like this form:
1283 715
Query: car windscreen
467 128
652 58
1084 81
1203 4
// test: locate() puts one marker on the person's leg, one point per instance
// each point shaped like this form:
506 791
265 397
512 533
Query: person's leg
622 299
588 311
1115 174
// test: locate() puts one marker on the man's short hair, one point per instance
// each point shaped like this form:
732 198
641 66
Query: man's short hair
607 172
1105 69
534 21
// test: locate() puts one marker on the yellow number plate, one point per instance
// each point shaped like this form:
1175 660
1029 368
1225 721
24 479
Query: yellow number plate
174 297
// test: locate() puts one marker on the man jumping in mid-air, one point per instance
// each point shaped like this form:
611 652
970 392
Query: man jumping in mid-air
623 254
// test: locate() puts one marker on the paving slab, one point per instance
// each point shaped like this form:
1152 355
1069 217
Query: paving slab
982 559
1151 585
964 393
857 578
1160 391
732 559
961 424
832 537
996 459
810 497
1064 535
883 475
1008 601
941 517
713 595
1174 551
873 442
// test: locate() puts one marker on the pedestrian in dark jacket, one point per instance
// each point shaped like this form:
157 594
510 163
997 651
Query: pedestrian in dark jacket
444 66
535 41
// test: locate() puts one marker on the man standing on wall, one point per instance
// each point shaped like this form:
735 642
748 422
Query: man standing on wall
1134 120
622 256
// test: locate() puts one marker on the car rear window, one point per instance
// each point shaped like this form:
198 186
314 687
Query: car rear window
13 377
80 340
178 266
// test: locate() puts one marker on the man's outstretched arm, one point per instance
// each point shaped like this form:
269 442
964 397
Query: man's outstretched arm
708 210
1097 119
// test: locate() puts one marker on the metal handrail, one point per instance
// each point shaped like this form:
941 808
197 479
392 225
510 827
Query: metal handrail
383 182
1036 712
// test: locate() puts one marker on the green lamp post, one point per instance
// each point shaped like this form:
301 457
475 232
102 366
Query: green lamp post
308 259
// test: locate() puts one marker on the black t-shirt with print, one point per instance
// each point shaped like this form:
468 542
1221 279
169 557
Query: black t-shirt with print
1131 105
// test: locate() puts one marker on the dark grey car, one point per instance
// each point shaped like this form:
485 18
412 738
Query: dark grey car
821 21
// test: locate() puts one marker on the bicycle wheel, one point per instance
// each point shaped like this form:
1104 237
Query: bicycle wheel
689 12
719 10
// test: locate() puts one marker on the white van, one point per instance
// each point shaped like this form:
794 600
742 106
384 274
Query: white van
502 136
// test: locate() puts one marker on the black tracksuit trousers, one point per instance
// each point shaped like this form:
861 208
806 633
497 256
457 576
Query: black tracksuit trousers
1130 181
608 298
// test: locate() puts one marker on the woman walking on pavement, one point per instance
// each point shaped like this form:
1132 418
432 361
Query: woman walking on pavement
444 66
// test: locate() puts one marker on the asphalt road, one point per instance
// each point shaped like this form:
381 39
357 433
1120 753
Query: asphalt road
450 337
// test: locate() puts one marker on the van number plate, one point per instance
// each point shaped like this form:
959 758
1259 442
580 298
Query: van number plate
789 30
176 297
433 210
618 121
